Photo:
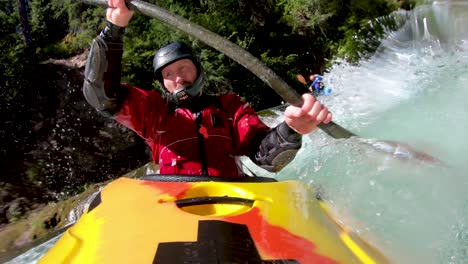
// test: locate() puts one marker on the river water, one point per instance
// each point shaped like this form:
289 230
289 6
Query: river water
413 90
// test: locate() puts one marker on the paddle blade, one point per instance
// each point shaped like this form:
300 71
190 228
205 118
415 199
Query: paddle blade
401 151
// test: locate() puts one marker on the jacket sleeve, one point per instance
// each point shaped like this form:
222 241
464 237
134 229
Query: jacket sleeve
102 88
269 148
277 148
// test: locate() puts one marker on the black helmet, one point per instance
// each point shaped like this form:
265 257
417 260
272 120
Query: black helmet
170 53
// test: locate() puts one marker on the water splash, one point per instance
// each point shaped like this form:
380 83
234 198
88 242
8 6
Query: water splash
413 90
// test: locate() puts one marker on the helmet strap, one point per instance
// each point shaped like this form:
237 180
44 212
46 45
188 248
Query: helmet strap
179 97
182 96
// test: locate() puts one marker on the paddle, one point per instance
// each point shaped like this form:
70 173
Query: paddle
254 65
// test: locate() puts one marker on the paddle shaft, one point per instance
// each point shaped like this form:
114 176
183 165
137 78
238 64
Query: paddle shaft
231 50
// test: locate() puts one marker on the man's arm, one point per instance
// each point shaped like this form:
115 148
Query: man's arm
278 148
281 144
102 88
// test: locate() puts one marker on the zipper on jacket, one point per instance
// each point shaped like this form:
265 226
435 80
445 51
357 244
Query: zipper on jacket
201 142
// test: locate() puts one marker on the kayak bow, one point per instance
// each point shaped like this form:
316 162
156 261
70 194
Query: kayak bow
148 221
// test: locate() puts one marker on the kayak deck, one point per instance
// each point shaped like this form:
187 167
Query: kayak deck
148 221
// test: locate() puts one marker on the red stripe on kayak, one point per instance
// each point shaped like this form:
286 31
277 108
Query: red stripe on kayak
277 241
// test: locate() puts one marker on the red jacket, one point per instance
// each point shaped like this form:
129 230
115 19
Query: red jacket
180 145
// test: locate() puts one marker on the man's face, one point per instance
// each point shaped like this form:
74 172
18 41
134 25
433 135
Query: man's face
179 74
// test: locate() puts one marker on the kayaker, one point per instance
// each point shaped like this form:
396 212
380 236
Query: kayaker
316 87
189 132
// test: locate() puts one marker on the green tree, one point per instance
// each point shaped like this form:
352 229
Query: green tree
24 18
62 28
12 52
346 29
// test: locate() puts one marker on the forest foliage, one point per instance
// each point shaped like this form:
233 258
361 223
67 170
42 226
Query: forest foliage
293 36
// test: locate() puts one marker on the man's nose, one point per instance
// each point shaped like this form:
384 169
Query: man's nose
180 79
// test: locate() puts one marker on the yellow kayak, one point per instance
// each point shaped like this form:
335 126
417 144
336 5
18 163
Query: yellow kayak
156 220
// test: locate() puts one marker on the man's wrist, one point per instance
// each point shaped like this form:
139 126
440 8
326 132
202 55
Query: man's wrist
113 32
288 134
